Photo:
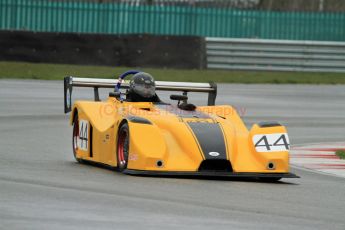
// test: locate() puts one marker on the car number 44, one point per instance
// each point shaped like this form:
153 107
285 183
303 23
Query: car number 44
277 142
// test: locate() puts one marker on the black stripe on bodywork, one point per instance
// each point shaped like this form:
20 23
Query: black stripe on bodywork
91 140
210 138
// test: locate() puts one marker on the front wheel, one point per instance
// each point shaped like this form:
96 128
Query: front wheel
75 137
123 147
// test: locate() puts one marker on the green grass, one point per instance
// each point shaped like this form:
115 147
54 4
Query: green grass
21 70
340 154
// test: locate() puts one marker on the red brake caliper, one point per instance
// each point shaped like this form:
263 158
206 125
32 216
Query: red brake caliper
122 140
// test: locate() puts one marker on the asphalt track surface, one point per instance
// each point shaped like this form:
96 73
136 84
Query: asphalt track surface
42 187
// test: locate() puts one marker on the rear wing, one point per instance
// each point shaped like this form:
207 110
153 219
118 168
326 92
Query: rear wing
95 83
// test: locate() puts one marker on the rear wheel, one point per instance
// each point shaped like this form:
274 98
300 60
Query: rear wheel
75 137
123 147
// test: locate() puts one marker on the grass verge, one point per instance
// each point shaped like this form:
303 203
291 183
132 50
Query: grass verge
23 70
340 154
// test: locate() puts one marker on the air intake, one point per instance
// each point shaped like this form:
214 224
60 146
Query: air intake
215 165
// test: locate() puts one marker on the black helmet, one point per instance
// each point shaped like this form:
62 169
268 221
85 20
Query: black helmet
142 84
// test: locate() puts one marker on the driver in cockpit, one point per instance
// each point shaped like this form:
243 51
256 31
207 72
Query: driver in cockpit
142 88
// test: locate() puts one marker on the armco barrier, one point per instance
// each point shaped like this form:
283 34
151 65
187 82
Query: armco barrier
110 50
275 55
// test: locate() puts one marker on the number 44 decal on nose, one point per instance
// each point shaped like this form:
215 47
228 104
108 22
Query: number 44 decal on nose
277 142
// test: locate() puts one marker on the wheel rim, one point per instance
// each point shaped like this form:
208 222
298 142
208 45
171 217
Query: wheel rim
75 137
122 149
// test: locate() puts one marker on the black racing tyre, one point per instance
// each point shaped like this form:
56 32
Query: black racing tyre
75 136
122 147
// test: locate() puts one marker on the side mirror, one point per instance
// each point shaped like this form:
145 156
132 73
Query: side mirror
184 105
114 94
178 97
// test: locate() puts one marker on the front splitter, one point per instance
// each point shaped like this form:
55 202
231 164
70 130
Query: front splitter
208 174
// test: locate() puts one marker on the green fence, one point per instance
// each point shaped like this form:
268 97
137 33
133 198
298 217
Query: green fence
114 18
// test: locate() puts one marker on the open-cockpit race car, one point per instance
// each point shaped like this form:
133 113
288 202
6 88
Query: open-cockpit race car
136 133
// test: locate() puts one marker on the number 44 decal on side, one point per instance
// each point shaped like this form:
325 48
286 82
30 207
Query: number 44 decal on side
277 142
83 135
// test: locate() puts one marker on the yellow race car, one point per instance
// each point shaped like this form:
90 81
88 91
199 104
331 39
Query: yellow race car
135 132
